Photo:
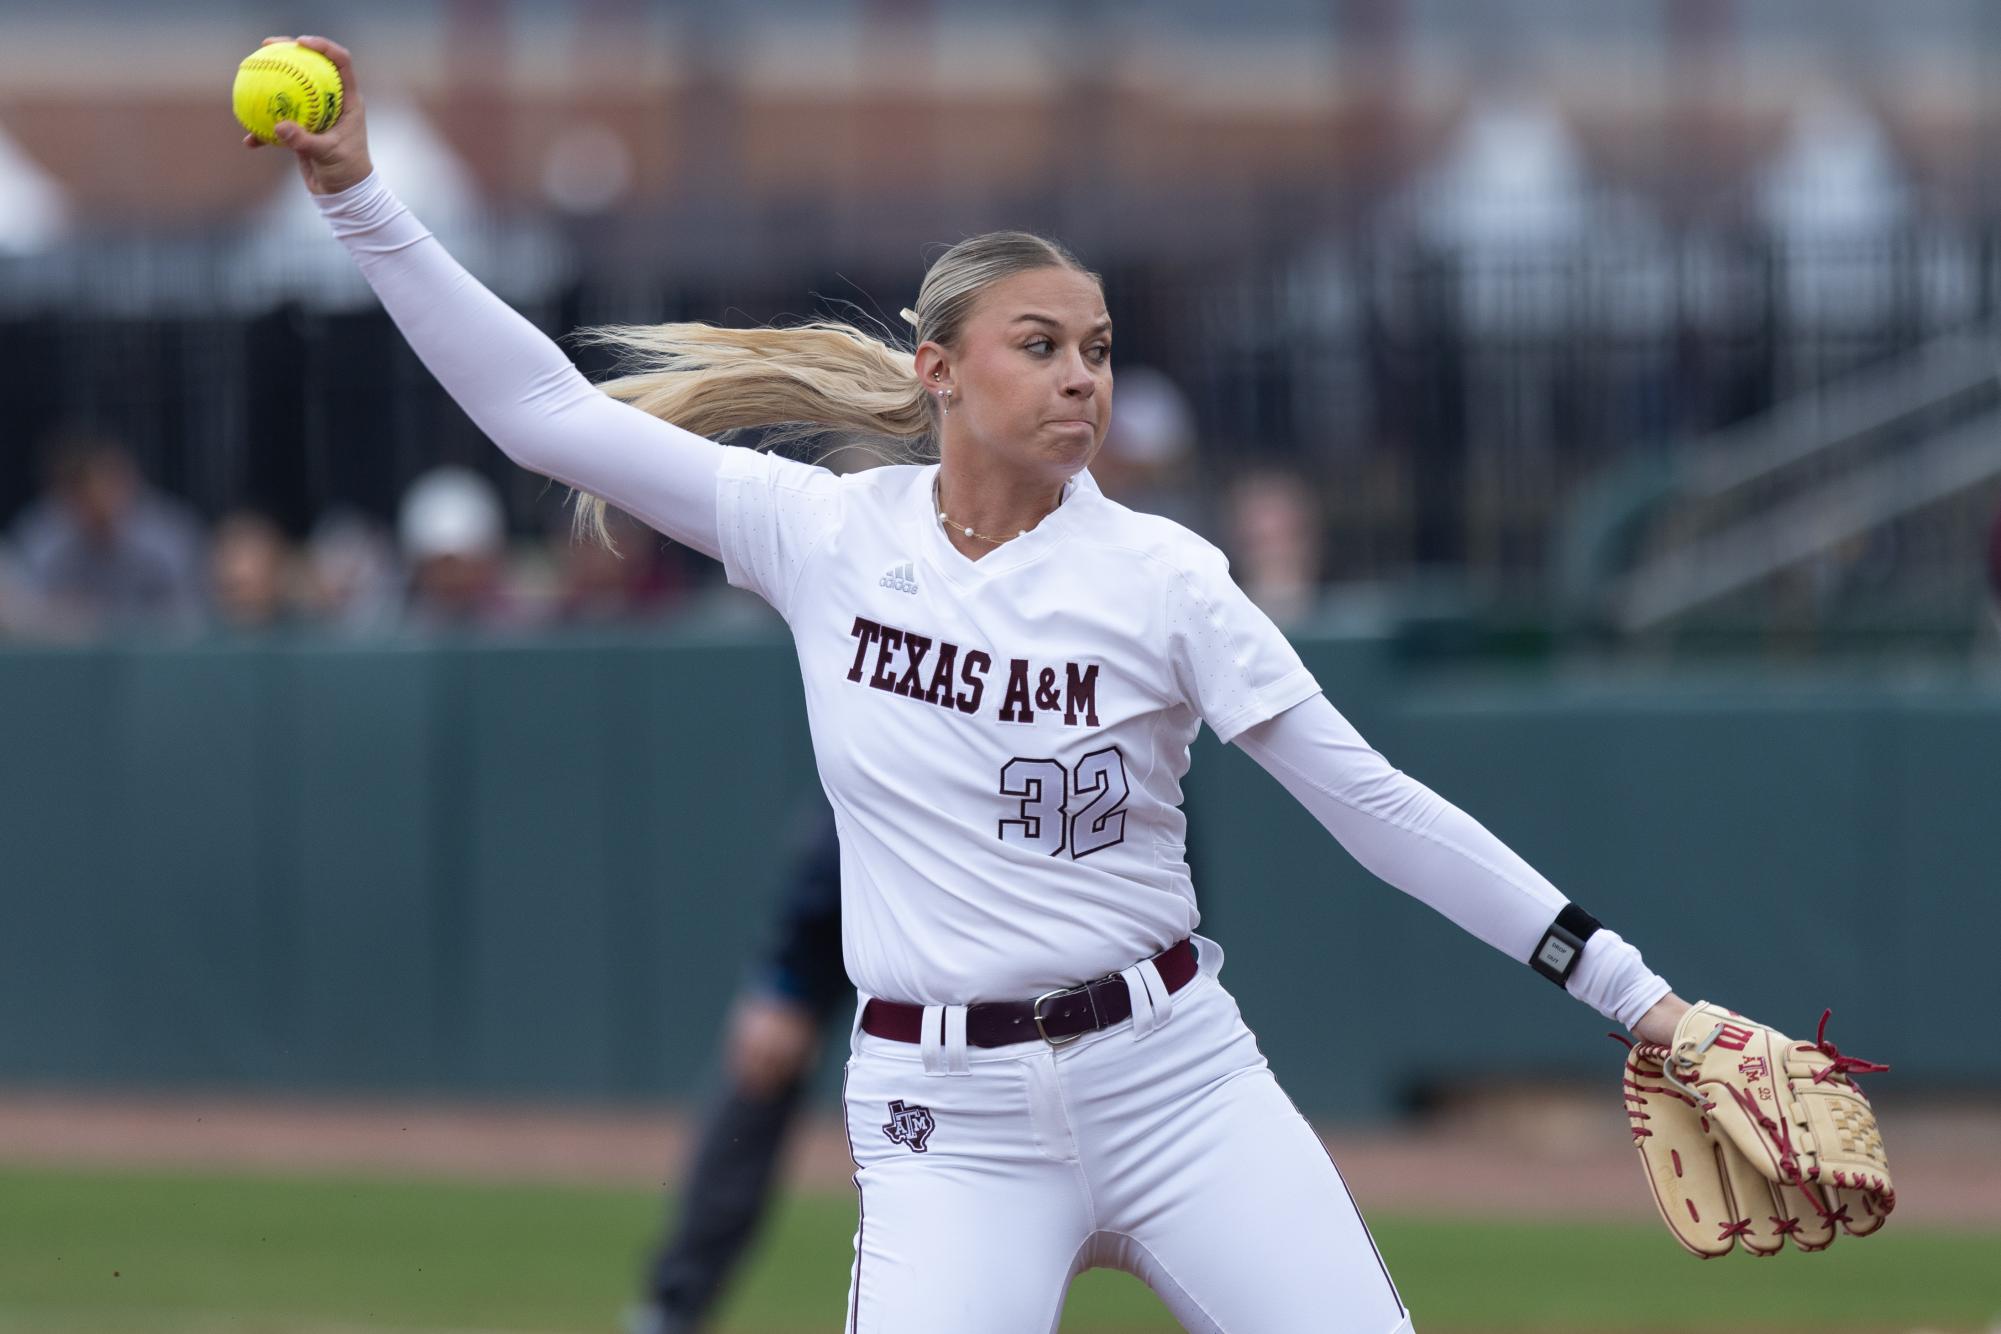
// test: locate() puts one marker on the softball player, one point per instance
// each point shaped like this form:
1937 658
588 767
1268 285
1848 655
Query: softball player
1003 672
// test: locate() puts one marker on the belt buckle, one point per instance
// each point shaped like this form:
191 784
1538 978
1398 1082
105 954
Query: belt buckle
1036 1011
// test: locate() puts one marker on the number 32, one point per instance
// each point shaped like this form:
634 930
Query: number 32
1054 815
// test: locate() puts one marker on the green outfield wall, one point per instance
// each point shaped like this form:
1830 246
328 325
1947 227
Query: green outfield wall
538 869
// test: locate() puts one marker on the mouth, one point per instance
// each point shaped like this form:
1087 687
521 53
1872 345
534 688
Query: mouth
1079 422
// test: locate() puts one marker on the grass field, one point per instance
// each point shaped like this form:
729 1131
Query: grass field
120 1252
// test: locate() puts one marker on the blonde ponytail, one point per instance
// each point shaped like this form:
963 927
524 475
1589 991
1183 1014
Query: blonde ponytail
803 381
819 377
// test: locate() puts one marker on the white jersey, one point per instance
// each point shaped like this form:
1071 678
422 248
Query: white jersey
1003 740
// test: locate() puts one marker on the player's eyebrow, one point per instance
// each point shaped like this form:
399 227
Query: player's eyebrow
1103 325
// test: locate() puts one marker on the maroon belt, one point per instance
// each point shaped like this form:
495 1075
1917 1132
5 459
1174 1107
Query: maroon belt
1056 1017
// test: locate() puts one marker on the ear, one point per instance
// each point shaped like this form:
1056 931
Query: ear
934 368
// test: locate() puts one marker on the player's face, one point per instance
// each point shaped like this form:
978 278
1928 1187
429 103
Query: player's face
1032 376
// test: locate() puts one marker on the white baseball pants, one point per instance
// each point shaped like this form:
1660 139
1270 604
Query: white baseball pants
1162 1146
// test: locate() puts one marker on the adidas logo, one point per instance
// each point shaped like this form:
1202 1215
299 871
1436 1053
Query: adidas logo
902 578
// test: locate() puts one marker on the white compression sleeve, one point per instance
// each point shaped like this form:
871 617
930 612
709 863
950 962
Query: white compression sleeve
1424 845
516 384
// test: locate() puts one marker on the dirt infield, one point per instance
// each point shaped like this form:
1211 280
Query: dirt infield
1518 1154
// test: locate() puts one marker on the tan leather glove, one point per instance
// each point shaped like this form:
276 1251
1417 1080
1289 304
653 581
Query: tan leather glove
1747 1135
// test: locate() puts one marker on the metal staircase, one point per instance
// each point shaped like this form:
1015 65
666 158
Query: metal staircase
1886 473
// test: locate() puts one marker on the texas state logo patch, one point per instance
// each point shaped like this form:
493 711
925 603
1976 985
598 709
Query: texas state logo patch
909 1126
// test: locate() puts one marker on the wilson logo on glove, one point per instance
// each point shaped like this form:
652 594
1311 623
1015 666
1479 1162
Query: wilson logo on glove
1731 1036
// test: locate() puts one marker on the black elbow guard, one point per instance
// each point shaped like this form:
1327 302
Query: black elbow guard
1557 953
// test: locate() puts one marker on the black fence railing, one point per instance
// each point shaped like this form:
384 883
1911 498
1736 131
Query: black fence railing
1445 403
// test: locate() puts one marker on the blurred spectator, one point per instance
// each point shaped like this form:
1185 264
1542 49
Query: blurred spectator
1274 542
1149 449
20 611
251 574
102 551
351 584
595 586
453 533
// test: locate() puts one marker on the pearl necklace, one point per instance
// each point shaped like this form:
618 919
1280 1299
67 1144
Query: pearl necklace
946 520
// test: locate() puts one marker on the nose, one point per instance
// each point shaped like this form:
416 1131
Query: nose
1078 381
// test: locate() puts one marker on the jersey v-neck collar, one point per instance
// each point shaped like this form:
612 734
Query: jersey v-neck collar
964 571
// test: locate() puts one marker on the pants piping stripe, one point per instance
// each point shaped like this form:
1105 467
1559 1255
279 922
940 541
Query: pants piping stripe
1380 1264
861 1206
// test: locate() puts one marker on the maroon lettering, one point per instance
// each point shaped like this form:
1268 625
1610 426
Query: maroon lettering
914 648
1014 709
1080 692
1046 696
866 632
974 675
956 678
940 690
880 679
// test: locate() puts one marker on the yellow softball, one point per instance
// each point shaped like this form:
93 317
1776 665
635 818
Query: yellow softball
286 81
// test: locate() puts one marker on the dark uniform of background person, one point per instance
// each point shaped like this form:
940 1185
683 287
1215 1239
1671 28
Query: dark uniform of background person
774 1033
